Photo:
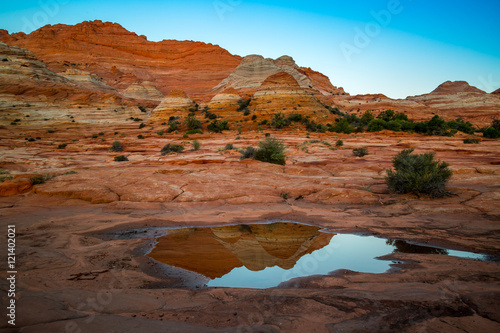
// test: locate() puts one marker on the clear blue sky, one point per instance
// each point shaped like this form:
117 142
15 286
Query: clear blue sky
397 48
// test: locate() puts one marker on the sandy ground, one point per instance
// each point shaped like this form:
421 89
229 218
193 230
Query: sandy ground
63 229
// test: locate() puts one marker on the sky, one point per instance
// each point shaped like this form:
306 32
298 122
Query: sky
398 48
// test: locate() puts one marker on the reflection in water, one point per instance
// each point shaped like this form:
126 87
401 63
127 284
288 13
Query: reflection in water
264 255
405 247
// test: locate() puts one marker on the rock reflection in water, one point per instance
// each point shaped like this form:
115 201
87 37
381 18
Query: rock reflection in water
214 252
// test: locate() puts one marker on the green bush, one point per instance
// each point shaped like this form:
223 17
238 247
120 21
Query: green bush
377 125
192 123
360 152
339 143
116 146
142 125
38 180
254 117
140 136
218 126
342 126
271 150
394 125
173 126
196 145
248 152
279 121
243 104
418 174
295 117
121 158
142 108
62 146
491 133
194 131
160 133
171 148
229 146
471 141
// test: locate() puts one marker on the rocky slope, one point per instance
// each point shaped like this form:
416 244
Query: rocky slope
175 104
122 58
32 93
281 93
144 90
449 100
253 70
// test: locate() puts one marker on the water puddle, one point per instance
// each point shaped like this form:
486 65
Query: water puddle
265 255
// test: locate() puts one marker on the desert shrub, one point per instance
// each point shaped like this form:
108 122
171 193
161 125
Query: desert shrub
218 126
31 139
94 136
171 148
194 108
243 104
160 133
264 122
246 112
366 118
38 180
471 140
173 126
295 117
311 126
50 131
279 121
339 143
142 108
62 146
394 125
140 136
72 172
210 115
342 126
248 152
271 150
360 152
142 125
101 133
376 125
121 158
418 174
116 146
254 117
491 133
229 146
386 115
460 125
194 131
196 145
192 123
137 119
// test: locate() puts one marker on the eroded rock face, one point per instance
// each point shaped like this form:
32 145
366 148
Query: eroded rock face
255 69
144 90
122 57
176 104
281 93
456 87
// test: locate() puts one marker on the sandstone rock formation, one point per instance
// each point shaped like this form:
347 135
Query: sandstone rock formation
281 93
87 79
226 104
449 100
144 90
253 70
121 57
455 87
176 104
29 89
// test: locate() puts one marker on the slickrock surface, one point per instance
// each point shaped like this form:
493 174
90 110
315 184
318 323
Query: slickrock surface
71 273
